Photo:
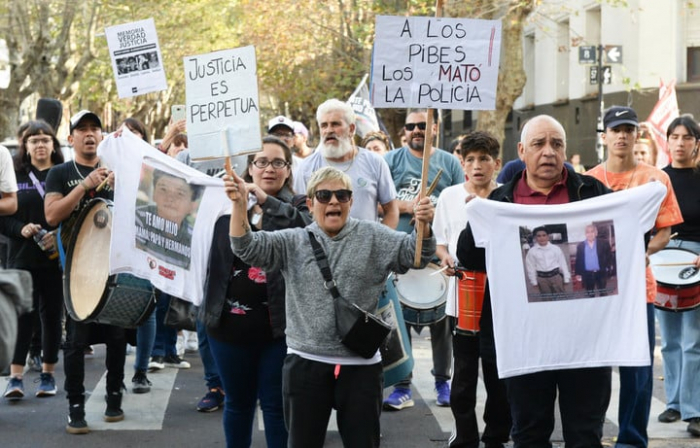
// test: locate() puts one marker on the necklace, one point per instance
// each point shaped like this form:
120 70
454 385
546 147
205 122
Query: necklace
78 171
337 166
629 182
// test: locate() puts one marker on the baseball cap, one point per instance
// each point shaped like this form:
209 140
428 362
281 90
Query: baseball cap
299 128
280 121
617 115
77 118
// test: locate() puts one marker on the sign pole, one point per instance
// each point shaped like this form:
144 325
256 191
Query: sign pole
601 102
427 149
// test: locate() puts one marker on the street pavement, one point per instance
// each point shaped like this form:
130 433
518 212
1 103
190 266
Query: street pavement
166 417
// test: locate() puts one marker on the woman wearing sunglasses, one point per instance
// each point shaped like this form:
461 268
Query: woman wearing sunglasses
244 303
320 373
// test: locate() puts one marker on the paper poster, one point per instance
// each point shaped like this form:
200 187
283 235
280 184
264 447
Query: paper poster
433 62
136 58
223 117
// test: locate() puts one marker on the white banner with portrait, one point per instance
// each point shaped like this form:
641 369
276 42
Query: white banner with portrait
164 215
551 319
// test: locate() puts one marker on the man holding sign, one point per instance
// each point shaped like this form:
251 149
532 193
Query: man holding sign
405 165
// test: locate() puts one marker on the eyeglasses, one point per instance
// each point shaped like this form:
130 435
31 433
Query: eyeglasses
283 135
412 126
39 141
324 196
264 163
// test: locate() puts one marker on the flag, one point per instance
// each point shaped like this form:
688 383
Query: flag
367 120
665 111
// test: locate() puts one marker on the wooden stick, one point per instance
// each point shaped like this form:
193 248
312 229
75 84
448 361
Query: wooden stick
102 184
686 263
427 148
433 185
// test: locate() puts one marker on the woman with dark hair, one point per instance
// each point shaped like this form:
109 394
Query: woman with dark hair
680 332
137 128
39 150
244 306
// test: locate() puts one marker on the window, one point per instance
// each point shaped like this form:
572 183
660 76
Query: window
693 64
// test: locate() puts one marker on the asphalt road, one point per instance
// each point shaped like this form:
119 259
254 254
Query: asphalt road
166 417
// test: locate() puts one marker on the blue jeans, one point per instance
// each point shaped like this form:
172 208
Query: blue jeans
250 372
636 388
211 373
166 337
145 338
680 348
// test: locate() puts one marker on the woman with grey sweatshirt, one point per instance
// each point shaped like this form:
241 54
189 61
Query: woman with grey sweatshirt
320 373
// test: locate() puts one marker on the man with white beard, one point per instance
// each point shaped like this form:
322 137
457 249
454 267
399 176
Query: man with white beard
371 179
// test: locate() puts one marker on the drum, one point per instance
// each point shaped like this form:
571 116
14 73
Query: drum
397 357
678 280
91 294
470 299
423 294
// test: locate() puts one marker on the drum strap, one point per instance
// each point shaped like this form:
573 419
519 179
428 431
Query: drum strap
322 261
61 249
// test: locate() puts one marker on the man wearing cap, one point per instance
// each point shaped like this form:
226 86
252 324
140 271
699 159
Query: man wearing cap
282 128
301 137
621 171
70 186
371 179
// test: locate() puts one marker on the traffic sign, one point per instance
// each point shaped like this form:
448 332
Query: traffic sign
606 75
593 75
587 55
613 54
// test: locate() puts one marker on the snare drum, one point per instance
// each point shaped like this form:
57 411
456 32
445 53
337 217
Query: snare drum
470 299
678 280
423 294
91 294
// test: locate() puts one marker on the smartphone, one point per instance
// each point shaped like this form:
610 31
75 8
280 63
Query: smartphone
177 112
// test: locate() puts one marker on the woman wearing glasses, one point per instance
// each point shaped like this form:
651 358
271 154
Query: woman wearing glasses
320 373
244 304
39 150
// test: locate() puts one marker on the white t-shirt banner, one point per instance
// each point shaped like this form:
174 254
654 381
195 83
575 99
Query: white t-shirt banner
557 324
435 62
165 213
136 58
223 116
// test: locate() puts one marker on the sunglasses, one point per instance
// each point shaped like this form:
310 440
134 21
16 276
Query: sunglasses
412 126
324 196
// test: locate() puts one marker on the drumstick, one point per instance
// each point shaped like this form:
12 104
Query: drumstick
686 263
673 235
440 270
102 184
433 185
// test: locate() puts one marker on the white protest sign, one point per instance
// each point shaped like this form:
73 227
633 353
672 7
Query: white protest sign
222 103
136 58
434 62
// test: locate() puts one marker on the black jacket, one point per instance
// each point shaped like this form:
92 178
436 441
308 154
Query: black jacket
281 212
579 186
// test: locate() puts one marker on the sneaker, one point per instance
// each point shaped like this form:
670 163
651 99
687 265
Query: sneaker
176 361
141 383
400 398
47 385
443 393
15 389
694 426
211 401
180 345
156 364
669 416
192 344
114 412
34 363
76 420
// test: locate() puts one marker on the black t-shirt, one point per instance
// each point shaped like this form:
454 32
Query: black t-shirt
686 184
62 179
245 317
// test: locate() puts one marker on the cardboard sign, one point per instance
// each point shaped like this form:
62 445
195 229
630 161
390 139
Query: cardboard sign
431 62
136 58
223 117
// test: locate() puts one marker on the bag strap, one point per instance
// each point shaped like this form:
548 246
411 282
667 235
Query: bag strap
322 261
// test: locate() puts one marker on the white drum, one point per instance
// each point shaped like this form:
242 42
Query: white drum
423 294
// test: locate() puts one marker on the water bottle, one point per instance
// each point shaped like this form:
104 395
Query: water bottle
38 237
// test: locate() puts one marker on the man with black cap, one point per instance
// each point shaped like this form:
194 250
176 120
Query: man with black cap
621 171
69 188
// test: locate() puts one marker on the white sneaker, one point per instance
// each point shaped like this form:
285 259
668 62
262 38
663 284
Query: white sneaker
180 345
192 344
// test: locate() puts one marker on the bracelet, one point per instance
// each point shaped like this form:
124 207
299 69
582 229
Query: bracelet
85 186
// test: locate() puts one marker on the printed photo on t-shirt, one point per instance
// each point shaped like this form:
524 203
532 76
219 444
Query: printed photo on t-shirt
166 210
569 261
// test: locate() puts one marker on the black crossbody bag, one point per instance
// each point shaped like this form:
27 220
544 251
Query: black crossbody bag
360 330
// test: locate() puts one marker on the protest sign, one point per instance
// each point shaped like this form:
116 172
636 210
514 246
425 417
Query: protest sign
136 58
223 117
434 62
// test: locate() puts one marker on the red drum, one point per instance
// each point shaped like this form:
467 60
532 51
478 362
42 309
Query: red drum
470 300
678 280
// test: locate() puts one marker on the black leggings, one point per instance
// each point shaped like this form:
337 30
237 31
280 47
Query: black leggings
48 304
